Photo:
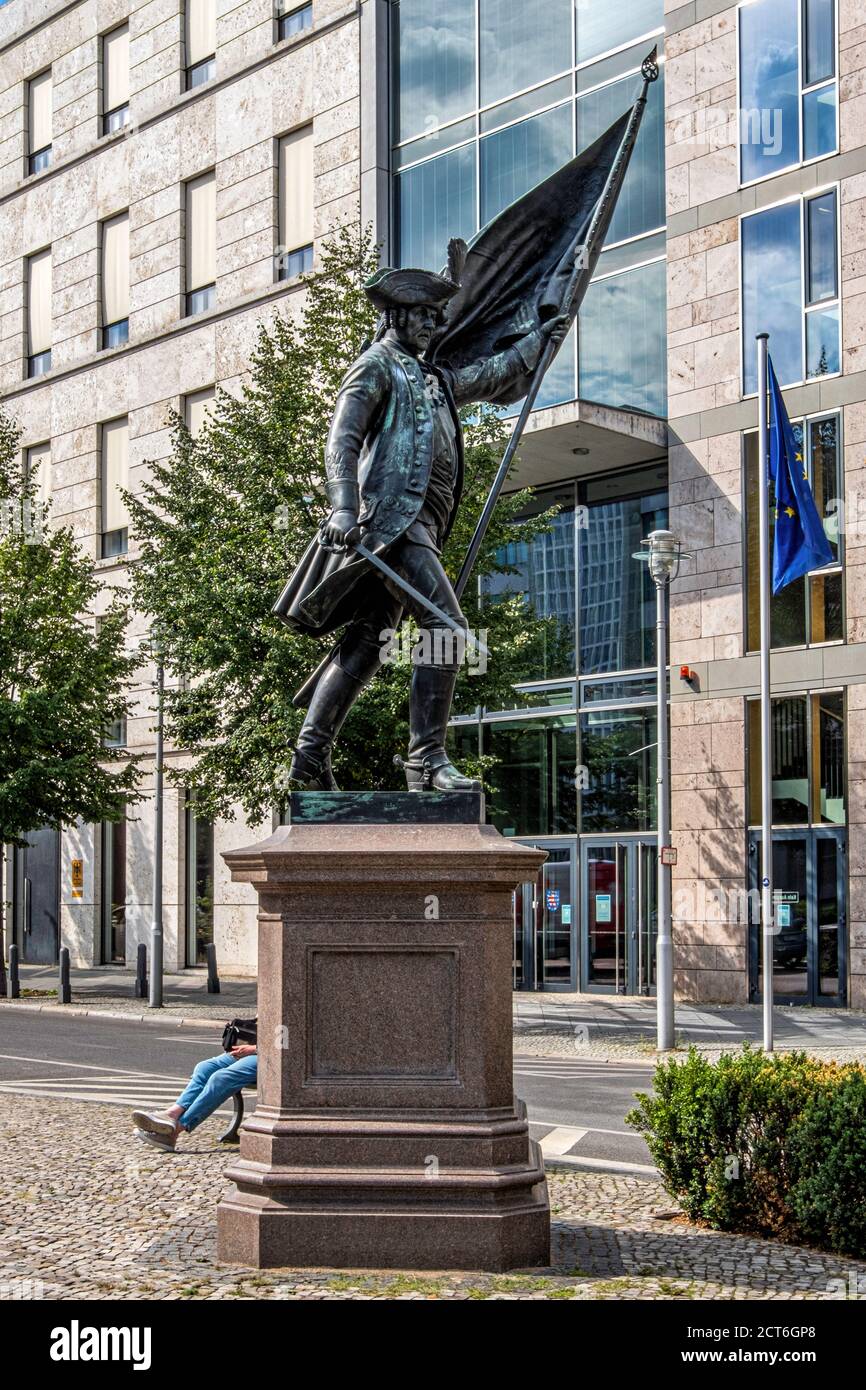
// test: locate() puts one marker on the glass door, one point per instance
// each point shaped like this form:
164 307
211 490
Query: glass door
809 944
543 940
619 916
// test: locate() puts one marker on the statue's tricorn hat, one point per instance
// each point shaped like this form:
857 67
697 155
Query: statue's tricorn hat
405 289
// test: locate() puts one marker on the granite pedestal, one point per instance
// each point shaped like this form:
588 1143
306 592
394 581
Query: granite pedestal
386 1133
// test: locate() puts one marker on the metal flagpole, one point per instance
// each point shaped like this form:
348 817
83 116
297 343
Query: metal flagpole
766 713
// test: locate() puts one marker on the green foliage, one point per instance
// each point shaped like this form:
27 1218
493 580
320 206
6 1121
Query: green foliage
774 1145
223 522
62 683
828 1148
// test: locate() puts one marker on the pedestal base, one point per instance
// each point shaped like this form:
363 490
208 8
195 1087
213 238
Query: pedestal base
387 1135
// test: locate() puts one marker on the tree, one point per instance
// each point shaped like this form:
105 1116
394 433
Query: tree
63 679
223 521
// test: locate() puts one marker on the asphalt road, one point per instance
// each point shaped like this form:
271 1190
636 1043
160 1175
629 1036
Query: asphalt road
575 1106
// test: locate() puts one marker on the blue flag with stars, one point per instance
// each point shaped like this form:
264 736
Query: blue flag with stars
800 542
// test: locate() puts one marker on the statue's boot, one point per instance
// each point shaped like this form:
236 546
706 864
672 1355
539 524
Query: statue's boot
428 767
335 693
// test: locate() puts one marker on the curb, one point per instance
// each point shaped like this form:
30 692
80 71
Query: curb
158 1018
604 1165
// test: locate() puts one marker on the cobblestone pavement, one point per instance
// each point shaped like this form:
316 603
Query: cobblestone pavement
90 1213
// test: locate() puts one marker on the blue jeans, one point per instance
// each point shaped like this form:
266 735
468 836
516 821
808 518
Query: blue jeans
212 1082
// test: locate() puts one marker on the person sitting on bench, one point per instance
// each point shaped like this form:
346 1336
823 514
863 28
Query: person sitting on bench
211 1083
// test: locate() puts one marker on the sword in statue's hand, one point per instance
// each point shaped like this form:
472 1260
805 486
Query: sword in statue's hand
351 543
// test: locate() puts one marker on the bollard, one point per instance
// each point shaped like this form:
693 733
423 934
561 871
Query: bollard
14 981
65 990
213 979
139 989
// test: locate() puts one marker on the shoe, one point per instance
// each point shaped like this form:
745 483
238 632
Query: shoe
159 1141
428 767
154 1123
311 774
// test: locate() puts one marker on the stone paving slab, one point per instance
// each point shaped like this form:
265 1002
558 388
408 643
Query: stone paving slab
87 1212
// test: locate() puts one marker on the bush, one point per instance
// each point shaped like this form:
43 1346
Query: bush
774 1145
828 1150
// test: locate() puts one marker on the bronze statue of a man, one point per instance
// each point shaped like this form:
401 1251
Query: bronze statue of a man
394 464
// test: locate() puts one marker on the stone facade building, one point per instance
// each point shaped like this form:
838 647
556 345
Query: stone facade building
248 135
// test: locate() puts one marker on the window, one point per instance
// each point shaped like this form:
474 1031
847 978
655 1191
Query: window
200 42
790 288
295 251
39 313
115 476
198 407
535 774
37 462
39 111
201 243
115 734
810 610
199 884
787 84
485 105
115 281
294 22
628 369
808 763
115 79
113 891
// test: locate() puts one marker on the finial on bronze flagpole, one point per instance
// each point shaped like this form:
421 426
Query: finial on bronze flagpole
649 68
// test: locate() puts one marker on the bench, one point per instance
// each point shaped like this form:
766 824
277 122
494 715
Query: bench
231 1135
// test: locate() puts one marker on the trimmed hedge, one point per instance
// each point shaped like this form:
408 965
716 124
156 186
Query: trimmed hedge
772 1145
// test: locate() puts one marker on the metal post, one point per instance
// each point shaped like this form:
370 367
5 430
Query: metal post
14 979
213 979
664 936
766 713
65 988
3 985
140 991
155 997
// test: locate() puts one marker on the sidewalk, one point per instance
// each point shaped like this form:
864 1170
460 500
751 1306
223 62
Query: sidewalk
88 1213
108 990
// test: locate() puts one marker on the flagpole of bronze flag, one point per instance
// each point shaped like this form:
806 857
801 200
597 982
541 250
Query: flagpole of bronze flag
766 714
585 258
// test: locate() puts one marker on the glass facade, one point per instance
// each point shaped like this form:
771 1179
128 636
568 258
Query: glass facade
790 288
788 96
485 106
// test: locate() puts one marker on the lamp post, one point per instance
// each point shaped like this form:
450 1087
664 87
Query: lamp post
662 553
156 939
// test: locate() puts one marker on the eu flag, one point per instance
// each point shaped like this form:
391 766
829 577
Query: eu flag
800 542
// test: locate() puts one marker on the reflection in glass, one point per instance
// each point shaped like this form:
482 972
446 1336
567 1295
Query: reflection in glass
822 342
790 763
819 55
544 574
621 360
199 885
821 279
829 730
618 691
641 203
769 87
825 475
554 919
114 890
819 122
617 595
435 201
434 41
601 27
607 894
771 291
516 159
618 753
427 145
829 925
533 778
519 107
790 943
516 53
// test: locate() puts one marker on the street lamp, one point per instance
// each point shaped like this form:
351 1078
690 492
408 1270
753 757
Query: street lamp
662 554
